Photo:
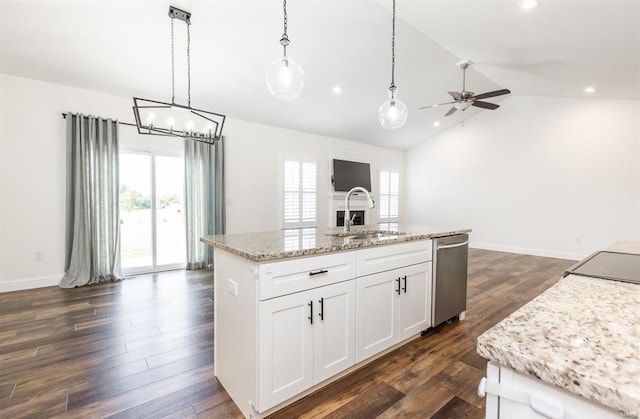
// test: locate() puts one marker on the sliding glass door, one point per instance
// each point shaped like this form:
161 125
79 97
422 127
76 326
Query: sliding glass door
152 212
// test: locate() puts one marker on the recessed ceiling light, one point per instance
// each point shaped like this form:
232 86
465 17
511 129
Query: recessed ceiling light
529 4
337 89
589 89
436 124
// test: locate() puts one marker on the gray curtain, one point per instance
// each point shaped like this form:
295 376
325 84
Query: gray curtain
204 199
92 252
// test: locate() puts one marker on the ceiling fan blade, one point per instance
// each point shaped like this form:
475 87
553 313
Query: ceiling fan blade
456 95
452 110
485 105
492 94
435 106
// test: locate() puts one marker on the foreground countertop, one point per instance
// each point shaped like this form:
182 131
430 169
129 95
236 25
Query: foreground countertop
582 335
289 243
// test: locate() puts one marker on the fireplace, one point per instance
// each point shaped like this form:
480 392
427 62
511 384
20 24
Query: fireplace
357 216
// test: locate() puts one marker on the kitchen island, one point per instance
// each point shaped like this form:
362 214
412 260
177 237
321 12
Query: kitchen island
573 351
297 309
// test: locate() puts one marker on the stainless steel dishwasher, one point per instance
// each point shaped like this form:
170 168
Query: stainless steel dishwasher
450 260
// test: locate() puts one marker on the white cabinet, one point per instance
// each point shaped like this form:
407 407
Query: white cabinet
414 310
304 339
514 395
283 327
391 307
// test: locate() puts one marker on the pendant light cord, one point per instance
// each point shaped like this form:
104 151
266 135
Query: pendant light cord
189 63
173 64
285 38
393 48
284 7
173 67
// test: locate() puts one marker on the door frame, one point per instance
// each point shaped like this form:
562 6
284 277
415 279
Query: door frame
154 267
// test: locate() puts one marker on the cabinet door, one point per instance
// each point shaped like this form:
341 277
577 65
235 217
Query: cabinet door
415 300
334 329
285 347
376 319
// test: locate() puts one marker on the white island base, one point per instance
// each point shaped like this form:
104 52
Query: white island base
286 328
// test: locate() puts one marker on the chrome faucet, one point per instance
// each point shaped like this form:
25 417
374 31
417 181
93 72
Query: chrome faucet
347 219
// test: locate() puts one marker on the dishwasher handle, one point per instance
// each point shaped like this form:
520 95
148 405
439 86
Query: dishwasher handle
450 246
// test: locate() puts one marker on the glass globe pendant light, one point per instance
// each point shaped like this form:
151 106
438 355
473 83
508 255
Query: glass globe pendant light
393 113
285 77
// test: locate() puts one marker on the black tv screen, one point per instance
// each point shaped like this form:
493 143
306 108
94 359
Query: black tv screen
349 174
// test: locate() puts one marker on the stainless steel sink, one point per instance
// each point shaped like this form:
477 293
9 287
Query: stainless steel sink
368 234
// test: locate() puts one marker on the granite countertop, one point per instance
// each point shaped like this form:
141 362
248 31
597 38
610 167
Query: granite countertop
582 335
289 243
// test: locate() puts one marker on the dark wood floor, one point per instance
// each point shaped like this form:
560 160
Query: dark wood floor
144 348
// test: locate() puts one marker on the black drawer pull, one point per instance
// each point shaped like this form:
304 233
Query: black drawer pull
310 304
321 271
321 301
398 290
405 284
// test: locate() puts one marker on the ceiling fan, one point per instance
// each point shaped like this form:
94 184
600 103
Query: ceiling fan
464 99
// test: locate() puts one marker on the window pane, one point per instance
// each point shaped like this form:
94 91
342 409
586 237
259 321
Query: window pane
309 176
393 206
394 182
291 175
384 206
135 210
309 206
170 225
291 206
384 182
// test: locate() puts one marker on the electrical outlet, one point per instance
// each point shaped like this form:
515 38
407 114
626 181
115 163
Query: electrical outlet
233 287
39 255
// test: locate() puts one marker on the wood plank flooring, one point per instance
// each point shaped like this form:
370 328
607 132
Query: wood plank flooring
144 348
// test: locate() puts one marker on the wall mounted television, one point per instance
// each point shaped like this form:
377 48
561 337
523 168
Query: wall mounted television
349 174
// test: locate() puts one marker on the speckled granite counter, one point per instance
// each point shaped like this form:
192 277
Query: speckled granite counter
582 335
282 244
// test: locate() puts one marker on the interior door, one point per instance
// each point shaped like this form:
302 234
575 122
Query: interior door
415 300
334 330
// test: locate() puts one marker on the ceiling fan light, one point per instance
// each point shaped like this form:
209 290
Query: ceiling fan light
461 106
285 79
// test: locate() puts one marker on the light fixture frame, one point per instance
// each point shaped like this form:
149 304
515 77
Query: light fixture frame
216 120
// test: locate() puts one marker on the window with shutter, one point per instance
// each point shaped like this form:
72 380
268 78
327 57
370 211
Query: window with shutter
389 195
300 192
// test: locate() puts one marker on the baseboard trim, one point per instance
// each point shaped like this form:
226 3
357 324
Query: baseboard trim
29 283
527 251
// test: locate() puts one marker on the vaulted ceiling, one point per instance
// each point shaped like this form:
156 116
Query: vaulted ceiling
123 48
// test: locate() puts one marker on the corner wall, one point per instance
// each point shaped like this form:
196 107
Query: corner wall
555 177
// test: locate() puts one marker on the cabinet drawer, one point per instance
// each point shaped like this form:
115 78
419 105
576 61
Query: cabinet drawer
385 258
281 278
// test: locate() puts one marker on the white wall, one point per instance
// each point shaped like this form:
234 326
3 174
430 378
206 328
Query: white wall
32 171
544 176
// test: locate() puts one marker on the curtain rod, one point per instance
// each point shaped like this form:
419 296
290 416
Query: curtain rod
64 116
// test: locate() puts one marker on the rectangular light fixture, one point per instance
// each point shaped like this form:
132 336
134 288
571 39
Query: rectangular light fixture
170 119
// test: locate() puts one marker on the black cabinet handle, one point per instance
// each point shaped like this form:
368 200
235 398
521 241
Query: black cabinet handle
310 304
321 271
321 314
398 290
405 284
